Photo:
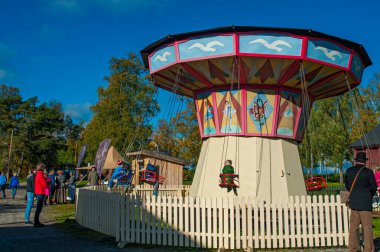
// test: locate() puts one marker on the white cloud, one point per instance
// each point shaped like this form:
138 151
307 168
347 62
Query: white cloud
79 112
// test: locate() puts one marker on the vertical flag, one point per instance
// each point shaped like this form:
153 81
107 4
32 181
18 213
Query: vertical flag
101 155
80 158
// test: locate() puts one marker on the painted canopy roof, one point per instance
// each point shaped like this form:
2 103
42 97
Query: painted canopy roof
305 32
216 58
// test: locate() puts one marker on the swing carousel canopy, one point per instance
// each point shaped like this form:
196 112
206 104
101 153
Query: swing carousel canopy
251 81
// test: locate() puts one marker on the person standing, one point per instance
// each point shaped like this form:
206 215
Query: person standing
29 195
361 182
93 177
3 182
14 184
61 191
53 184
40 186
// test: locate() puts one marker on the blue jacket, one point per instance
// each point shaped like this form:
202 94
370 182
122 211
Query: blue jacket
53 180
117 172
3 179
14 182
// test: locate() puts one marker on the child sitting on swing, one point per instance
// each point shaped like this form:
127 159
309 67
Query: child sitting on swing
229 169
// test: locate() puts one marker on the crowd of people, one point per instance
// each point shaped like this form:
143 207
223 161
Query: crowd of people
46 188
42 187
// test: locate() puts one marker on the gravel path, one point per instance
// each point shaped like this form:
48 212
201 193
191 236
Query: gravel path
17 236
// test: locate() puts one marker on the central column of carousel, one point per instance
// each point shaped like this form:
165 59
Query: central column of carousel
268 168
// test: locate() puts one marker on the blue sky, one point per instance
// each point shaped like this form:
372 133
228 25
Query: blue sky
59 49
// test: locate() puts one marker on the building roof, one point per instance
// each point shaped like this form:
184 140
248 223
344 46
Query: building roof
156 155
370 139
305 32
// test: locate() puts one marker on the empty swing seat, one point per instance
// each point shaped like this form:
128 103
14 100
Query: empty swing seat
315 183
228 180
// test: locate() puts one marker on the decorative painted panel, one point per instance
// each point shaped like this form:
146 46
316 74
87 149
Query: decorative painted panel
357 67
260 110
206 47
229 111
275 44
288 113
206 113
328 52
162 58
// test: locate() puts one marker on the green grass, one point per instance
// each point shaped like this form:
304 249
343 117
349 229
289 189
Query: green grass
22 180
376 227
64 215
334 184
187 182
82 183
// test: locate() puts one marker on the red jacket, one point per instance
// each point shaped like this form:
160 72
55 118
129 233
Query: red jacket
40 183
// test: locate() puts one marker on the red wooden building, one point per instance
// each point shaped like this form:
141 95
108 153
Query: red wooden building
370 143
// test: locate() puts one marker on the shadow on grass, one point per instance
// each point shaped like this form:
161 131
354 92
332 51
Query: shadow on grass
65 221
70 226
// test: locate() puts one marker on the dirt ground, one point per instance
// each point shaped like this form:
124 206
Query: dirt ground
55 236
63 234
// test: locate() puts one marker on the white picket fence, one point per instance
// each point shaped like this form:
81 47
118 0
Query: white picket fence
147 190
216 222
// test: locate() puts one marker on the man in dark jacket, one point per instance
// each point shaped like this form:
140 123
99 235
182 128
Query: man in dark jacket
29 195
361 202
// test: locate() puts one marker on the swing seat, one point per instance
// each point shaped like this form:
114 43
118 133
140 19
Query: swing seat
228 180
125 179
151 177
315 183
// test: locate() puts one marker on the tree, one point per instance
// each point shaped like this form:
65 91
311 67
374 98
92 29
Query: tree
180 137
125 107
189 141
40 132
165 137
337 122
72 135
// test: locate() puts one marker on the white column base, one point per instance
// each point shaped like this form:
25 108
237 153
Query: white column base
268 169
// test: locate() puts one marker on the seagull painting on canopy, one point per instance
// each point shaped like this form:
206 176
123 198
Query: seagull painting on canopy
273 46
163 57
331 55
209 46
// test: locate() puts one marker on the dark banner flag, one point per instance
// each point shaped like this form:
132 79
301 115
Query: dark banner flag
101 155
81 154
80 158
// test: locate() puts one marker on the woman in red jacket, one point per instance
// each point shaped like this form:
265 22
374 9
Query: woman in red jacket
40 186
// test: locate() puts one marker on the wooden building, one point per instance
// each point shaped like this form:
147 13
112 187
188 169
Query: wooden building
170 167
369 143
